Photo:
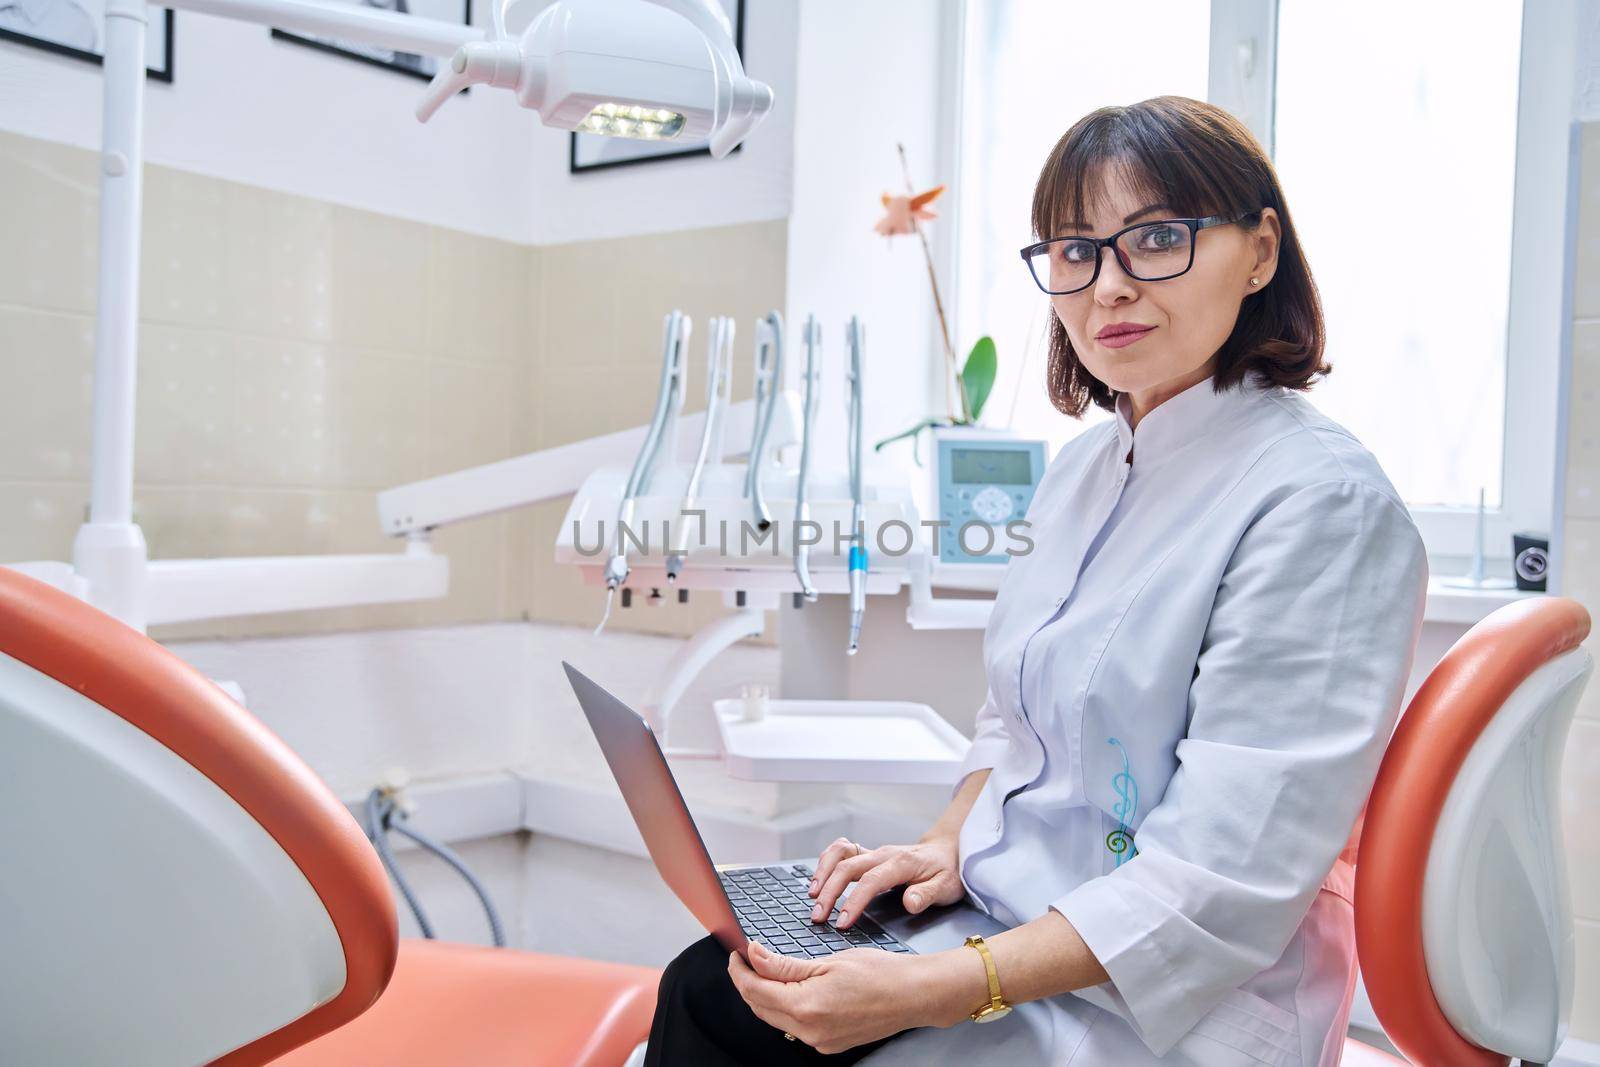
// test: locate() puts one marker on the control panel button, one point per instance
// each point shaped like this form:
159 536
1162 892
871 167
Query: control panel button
992 505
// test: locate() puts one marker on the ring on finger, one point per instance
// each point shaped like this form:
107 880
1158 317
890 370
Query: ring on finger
790 1036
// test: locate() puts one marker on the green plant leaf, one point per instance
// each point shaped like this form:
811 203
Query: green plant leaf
977 375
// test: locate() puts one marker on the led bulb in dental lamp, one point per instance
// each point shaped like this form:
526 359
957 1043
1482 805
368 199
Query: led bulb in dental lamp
648 69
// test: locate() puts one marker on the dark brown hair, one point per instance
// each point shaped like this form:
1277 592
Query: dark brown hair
1199 160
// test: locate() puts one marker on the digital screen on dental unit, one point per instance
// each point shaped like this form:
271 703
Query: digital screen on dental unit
989 465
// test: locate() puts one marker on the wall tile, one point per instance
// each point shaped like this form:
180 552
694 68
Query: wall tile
185 430
559 593
283 432
477 292
1586 297
1586 992
1582 583
1583 423
478 570
181 277
526 433
38 520
583 300
468 416
378 419
379 280
50 221
47 370
278 264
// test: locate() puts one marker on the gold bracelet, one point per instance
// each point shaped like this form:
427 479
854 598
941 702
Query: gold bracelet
997 1008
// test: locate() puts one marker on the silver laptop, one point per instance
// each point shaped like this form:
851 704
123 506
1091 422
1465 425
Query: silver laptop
739 904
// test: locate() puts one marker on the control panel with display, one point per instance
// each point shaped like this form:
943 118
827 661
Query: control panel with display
983 481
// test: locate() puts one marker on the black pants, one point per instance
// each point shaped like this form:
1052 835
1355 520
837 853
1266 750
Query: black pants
702 1021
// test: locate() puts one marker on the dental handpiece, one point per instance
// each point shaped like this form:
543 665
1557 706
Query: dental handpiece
677 329
855 337
768 381
812 337
719 375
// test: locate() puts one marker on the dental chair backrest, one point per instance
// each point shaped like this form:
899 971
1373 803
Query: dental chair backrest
176 885
1463 914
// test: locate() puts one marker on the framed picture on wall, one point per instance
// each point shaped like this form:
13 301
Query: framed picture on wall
590 151
77 28
418 66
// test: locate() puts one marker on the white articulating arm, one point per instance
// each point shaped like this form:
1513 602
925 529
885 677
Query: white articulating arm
547 474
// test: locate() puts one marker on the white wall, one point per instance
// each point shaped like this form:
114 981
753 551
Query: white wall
868 77
270 113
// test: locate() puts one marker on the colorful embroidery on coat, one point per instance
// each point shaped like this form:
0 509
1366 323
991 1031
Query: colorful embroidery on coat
1120 840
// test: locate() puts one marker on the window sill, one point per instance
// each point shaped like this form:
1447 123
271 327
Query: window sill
1445 605
1467 606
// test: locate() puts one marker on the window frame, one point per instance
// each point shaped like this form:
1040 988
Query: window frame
1242 77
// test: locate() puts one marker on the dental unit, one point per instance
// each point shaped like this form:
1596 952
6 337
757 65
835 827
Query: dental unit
653 70
812 338
719 392
768 383
669 400
854 340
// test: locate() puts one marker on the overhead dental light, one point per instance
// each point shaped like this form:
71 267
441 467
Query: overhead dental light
646 69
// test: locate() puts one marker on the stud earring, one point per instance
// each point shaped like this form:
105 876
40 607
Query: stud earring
1255 281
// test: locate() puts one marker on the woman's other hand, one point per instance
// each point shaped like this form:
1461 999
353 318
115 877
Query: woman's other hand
838 1002
927 870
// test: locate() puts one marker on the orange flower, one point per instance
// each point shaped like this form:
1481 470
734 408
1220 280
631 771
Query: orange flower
902 213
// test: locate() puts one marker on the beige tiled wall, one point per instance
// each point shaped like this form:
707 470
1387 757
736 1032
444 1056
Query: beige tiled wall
297 356
1581 775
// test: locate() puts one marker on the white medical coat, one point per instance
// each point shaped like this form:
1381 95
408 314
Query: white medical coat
1203 654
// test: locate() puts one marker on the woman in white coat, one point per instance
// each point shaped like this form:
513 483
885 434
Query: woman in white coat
1191 676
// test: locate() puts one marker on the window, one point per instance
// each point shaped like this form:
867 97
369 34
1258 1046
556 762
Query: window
1031 71
1412 253
1429 189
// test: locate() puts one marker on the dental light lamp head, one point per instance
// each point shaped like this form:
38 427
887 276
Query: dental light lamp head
647 69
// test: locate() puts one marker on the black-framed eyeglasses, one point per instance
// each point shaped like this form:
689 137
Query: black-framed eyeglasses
1147 252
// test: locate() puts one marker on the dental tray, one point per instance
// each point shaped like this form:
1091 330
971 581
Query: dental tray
880 741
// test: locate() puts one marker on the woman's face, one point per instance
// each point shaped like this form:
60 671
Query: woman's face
1192 314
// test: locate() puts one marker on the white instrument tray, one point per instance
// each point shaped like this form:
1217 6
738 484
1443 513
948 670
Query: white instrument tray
880 741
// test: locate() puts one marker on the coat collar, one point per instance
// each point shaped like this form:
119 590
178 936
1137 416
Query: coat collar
1184 417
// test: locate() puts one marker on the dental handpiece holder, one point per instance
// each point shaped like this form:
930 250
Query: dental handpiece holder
696 524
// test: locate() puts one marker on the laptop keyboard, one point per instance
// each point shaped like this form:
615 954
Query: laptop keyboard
774 908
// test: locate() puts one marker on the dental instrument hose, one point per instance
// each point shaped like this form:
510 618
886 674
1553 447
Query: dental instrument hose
719 394
812 336
769 378
675 343
377 833
384 815
856 338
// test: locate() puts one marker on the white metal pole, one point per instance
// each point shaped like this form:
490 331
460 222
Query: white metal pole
110 550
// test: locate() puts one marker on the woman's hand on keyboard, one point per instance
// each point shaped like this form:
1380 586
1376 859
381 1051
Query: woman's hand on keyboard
927 870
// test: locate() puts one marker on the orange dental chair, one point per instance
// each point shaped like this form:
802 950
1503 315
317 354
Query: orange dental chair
178 887
1463 914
